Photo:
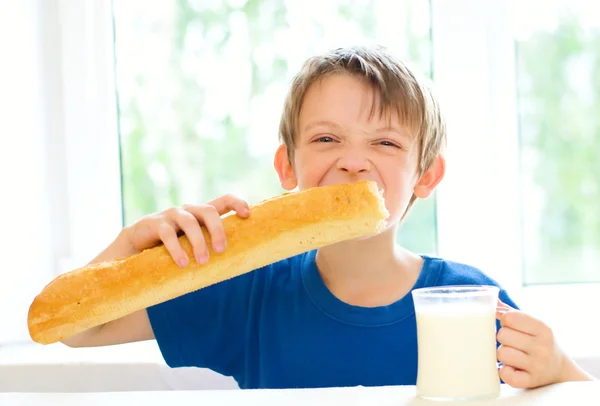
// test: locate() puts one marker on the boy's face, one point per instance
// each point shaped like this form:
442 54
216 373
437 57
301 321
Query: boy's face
338 142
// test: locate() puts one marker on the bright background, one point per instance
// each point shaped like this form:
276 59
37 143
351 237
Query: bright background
109 112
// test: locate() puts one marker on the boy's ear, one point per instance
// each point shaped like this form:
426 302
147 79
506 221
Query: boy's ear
431 178
284 169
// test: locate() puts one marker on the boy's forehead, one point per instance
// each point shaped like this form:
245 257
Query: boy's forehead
332 104
339 91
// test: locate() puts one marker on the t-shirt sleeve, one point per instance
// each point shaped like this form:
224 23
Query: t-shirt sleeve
505 297
205 328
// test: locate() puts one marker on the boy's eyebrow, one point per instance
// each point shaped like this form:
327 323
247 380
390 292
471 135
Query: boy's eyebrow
322 123
399 130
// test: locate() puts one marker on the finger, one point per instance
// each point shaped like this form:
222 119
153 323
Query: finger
501 312
502 307
515 377
515 339
513 357
168 235
211 219
188 223
226 203
517 320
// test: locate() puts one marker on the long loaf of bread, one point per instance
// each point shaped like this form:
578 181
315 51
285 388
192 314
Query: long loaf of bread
278 228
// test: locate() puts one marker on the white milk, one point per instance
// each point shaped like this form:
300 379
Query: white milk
457 351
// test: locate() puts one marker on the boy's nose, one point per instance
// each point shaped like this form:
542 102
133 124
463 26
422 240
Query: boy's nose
354 164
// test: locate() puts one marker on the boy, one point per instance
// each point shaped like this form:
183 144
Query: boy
343 315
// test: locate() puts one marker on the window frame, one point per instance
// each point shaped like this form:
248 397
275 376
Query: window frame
481 34
91 135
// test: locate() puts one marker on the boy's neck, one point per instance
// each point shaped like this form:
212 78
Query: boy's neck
369 272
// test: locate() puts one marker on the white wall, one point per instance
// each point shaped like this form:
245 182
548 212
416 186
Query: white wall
58 205
30 199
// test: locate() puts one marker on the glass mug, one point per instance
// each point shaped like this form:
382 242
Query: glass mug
456 336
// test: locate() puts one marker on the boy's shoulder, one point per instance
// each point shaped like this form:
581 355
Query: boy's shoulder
442 272
448 272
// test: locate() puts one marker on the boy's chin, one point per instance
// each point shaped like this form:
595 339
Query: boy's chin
387 229
365 238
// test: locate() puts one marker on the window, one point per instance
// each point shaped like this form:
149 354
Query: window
521 107
201 86
558 76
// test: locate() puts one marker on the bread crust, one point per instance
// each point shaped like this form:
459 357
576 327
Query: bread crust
277 228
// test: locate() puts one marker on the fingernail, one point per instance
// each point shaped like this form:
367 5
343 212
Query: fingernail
203 259
220 247
183 261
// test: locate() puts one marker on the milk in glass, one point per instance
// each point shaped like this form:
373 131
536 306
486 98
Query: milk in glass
456 333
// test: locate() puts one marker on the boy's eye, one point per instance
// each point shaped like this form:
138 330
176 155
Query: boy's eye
324 139
388 144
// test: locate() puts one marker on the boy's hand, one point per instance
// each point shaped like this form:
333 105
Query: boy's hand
164 226
529 352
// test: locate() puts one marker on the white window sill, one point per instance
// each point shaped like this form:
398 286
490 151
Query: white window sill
130 367
31 353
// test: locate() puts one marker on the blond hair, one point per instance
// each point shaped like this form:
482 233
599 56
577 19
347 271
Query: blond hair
398 88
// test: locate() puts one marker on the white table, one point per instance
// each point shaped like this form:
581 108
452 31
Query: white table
569 394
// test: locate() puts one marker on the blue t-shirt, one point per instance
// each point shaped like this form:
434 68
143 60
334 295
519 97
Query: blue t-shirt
281 327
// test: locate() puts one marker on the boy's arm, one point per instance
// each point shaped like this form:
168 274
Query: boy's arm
131 328
158 228
128 329
573 372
